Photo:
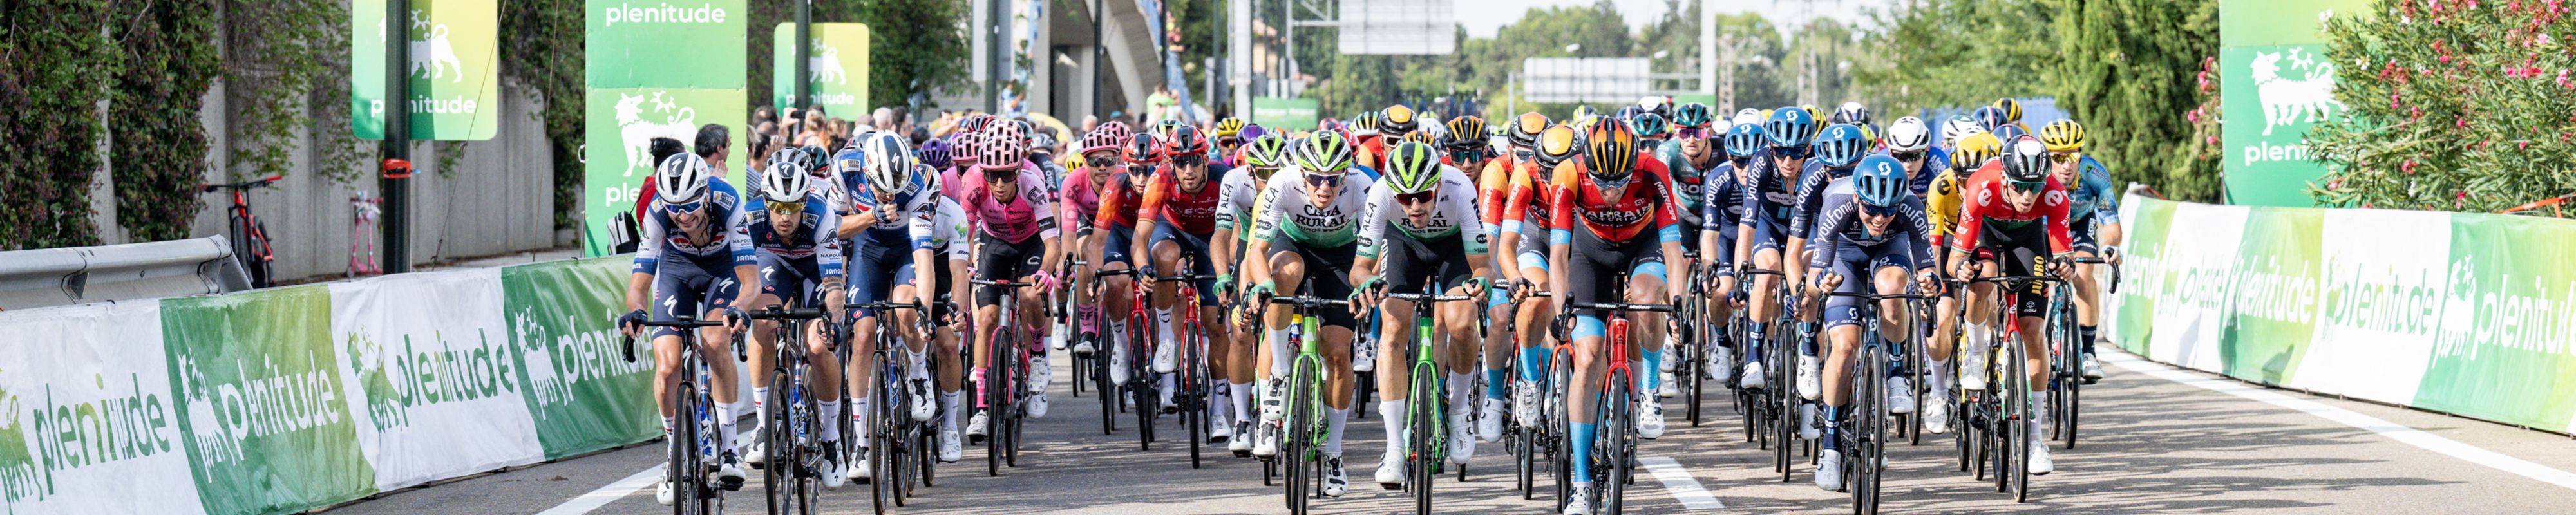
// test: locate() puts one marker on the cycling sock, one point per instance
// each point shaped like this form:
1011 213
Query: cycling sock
920 365
1582 457
1654 362
829 409
1495 383
1241 393
1753 347
725 428
1333 433
1170 383
1282 353
1457 391
760 404
1391 413
949 401
1163 317
1807 339
667 441
1940 374
1534 364
1833 416
858 416
2089 333
1217 410
977 376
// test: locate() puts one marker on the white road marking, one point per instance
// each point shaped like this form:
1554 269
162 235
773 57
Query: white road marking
2392 430
1679 482
602 496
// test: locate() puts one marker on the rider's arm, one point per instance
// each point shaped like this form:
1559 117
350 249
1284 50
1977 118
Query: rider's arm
1560 234
648 252
746 261
1480 255
1045 212
1149 211
2053 206
1267 215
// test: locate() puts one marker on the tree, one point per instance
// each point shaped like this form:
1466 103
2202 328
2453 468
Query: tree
2126 75
915 46
2450 107
1956 53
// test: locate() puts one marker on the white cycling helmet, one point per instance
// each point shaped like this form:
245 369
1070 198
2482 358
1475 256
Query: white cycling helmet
1748 116
1959 127
890 163
1909 134
785 183
681 178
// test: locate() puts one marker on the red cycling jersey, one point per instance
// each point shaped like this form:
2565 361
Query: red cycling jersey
1531 196
1984 198
1193 213
1643 206
1118 201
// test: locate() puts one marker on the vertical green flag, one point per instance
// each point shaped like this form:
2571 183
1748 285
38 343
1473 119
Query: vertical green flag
455 81
838 67
2276 83
656 69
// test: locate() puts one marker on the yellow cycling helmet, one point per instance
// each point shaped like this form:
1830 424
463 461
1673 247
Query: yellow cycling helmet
2063 136
1423 137
2012 109
1398 120
1556 144
1229 127
1974 150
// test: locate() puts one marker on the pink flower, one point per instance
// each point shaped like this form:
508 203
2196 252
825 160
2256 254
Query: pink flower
2192 116
2408 167
2212 140
2522 145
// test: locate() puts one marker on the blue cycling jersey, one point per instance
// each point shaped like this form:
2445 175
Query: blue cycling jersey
1840 224
2092 193
664 238
812 239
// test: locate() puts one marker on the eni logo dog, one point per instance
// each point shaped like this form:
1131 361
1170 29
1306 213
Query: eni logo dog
826 64
636 134
2287 100
434 56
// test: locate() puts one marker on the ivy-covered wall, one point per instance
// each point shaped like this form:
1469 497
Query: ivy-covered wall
54 63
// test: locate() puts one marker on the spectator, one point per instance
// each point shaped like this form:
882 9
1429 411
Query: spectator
715 142
763 114
882 119
903 120
1090 122
817 129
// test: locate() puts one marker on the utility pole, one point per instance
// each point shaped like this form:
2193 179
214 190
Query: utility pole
395 181
804 54
1099 57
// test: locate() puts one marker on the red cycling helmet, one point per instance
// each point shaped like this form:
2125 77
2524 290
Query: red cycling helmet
1186 140
1145 149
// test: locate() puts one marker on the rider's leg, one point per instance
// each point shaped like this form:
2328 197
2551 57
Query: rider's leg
827 370
717 345
2087 306
1394 376
1338 382
1646 286
1589 365
764 356
1765 305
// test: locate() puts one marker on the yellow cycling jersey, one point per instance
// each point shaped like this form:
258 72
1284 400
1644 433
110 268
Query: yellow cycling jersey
1942 203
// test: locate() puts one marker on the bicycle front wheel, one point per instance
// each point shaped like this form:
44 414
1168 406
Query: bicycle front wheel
1615 449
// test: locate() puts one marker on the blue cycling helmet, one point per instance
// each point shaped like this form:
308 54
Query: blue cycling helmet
1879 181
2009 132
1743 141
1841 145
1992 118
1789 127
935 153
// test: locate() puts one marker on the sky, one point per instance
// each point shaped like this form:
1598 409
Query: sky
1484 17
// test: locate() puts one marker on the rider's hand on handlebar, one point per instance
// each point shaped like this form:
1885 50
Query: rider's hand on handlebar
1928 282
631 324
734 319
2111 254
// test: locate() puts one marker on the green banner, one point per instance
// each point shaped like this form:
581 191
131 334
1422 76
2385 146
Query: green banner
583 393
2275 83
2504 352
666 44
455 84
261 401
1284 113
617 144
838 67
656 69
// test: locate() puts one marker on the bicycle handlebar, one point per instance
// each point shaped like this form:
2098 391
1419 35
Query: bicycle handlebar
243 185
1307 302
1874 296
1429 297
681 323
2115 271
1619 306
2018 278
774 312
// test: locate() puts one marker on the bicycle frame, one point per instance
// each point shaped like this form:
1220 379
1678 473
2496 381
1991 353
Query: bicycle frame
2012 470
688 473
1192 383
789 428
1426 405
1863 429
1617 396
1005 383
1305 436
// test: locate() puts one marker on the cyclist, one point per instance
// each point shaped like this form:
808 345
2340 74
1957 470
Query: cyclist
1605 206
1315 246
1103 158
1229 139
1838 150
2093 221
1653 130
1113 237
1262 158
1181 207
1017 242
792 236
887 226
1527 216
1941 205
948 230
696 229
1690 154
1770 201
1958 127
1470 151
1366 143
1436 239
1722 210
1869 234
2017 224
1396 122
1909 140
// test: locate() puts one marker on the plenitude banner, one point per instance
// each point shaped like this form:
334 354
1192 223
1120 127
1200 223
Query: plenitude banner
438 392
838 69
455 76
656 68
2448 312
2276 83
87 422
584 394
1284 113
260 398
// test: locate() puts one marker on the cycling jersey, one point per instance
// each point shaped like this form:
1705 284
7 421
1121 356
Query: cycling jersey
1288 212
899 217
1986 209
813 239
1811 196
1235 198
1941 204
1454 215
1689 179
726 235
1078 200
1841 226
1935 161
1493 192
1016 219
2092 194
1165 201
1118 201
1646 204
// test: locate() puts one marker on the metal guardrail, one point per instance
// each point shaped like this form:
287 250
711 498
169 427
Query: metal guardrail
65 276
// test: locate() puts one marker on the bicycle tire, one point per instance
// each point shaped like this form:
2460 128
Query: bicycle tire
1019 395
1917 362
2071 374
1560 377
1475 400
777 464
1870 433
996 394
1524 461
682 444
1101 387
808 485
1427 437
2020 405
1783 406
1193 389
1294 451
1619 432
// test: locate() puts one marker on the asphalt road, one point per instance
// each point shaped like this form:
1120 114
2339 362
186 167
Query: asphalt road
2155 440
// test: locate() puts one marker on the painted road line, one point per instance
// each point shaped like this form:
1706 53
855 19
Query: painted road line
2392 430
602 496
1678 481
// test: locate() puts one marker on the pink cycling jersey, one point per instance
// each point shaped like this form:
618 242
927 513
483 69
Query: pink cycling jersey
1014 220
1079 199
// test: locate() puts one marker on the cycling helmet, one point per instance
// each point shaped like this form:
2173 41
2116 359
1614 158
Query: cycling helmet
785 182
1626 113
681 178
1748 116
1992 118
1229 127
929 178
1102 139
1959 127
1266 151
1116 129
1364 124
1879 180
2062 136
1002 153
1650 125
1556 144
1583 113
1423 137
967 146
1324 153
1693 115
2011 108
1744 140
1186 141
1525 129
1466 133
889 163
1852 113
1909 134
1039 142
1974 150
1164 128
1612 149
1412 167
1841 145
2010 132
1658 104
1145 150
1399 120
792 159
974 123
1790 127
2026 160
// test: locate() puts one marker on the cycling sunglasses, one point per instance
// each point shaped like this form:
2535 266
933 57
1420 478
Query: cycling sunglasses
1876 210
1908 156
1325 180
1189 160
2027 186
1692 133
684 208
1229 142
1611 184
1789 152
1104 160
784 208
1002 174
1264 172
2063 157
1417 198
1524 154
1142 170
1467 155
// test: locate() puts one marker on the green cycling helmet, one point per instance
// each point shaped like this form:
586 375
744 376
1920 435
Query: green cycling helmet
1267 151
1412 167
1650 125
1324 153
1692 115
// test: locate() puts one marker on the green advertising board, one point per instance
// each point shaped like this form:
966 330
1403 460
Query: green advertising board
262 400
656 69
1284 113
455 75
838 68
2276 83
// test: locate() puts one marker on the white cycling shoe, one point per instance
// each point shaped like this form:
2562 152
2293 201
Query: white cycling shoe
1489 425
1716 367
834 471
2092 368
975 425
1667 385
1972 370
1390 471
860 473
923 404
1241 445
1265 439
1829 470
1650 418
949 449
1525 400
729 472
1809 386
1578 501
1040 374
1936 412
2040 465
1900 395
1118 366
1038 405
1462 436
1273 402
1752 377
662 492
1807 429
1337 481
1167 357
1364 356
756 454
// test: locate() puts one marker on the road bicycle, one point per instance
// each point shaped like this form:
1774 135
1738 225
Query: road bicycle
2007 401
2066 381
899 446
249 234
1144 395
1304 427
1427 401
1863 430
1005 390
1531 446
1191 389
1614 456
694 444
1772 417
794 454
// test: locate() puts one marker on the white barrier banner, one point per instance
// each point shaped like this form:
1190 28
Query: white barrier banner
436 390
87 424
